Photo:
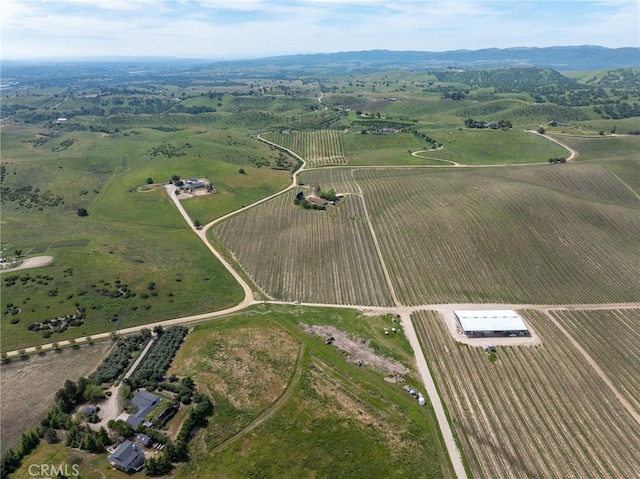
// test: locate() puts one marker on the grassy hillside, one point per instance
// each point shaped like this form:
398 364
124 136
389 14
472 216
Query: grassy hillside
332 417
132 236
494 147
164 270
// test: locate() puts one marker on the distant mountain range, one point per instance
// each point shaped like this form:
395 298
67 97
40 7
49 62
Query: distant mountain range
570 58
563 59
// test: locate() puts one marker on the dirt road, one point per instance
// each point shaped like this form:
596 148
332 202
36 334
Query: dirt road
403 311
445 428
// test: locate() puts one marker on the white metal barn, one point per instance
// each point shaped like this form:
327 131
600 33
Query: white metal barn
491 323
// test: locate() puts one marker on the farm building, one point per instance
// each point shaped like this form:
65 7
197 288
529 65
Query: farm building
489 323
316 200
144 440
145 402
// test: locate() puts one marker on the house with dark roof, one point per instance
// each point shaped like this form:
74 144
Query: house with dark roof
145 402
128 457
144 440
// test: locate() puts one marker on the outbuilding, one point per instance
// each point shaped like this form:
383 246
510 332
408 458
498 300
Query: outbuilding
491 323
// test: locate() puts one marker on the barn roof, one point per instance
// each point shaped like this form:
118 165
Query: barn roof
490 320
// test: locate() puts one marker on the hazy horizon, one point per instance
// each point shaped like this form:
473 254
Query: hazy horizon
250 29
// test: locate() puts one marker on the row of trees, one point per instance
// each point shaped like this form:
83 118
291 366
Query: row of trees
501 124
159 358
116 362
178 451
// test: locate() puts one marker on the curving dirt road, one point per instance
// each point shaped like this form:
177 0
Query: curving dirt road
403 311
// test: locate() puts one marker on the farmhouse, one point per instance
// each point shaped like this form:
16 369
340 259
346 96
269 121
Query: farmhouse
195 183
316 200
145 402
488 323
128 457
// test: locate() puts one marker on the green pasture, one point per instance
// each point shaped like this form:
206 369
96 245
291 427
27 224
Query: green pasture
235 190
461 145
322 430
385 150
186 279
494 147
130 234
621 126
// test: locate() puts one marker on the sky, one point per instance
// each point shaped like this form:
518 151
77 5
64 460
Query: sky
226 29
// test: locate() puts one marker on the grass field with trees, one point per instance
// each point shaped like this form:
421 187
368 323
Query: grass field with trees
86 149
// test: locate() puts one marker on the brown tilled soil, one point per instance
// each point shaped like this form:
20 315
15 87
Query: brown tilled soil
27 388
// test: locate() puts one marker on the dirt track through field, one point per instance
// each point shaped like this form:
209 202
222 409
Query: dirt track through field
403 311
594 365
271 410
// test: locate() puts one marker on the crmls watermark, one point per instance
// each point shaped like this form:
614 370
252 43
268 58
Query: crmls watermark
45 471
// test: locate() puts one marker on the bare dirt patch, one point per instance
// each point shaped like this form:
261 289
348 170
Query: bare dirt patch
28 387
358 350
35 262
185 195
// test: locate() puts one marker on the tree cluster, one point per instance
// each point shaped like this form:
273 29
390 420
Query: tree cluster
168 150
454 95
73 394
501 124
197 417
329 195
85 438
30 197
183 389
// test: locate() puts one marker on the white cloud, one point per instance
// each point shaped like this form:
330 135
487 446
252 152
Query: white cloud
235 27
